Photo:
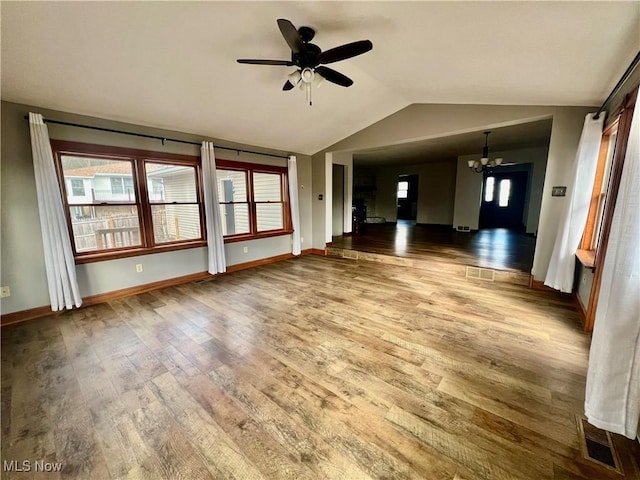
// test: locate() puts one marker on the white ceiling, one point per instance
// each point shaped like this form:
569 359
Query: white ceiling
172 64
523 135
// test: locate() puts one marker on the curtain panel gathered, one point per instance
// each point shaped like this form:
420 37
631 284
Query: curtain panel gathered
562 264
296 245
612 400
58 254
215 240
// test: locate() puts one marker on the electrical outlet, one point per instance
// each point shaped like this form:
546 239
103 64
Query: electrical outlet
5 292
245 250
138 267
301 239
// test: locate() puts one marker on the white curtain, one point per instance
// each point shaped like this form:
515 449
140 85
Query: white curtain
562 264
215 240
612 399
58 254
296 248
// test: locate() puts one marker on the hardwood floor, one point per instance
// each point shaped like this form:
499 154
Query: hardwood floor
496 248
313 368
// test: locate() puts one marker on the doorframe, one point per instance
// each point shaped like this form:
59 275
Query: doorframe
345 159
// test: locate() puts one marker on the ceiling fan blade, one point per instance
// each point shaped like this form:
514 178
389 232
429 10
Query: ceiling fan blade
285 63
291 36
335 77
345 51
288 86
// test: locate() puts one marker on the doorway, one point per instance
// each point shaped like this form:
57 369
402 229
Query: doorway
503 200
337 209
407 197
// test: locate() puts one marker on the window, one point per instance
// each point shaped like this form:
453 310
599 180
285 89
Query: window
132 202
611 159
593 229
77 187
488 189
505 192
403 189
254 200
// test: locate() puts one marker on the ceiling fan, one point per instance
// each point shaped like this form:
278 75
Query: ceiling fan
309 59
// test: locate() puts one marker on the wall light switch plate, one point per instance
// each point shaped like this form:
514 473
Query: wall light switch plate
139 267
245 250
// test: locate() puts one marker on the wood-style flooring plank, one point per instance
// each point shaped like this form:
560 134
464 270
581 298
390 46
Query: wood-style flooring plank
311 368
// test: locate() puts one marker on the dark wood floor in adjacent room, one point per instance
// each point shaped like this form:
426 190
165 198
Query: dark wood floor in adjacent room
496 248
312 368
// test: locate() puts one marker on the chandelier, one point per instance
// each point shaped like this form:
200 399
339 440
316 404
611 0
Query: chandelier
485 163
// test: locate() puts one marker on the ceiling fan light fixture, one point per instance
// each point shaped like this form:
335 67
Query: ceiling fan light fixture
318 80
307 75
498 161
294 77
484 160
471 163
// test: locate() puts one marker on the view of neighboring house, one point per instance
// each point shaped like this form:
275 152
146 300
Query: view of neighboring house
102 202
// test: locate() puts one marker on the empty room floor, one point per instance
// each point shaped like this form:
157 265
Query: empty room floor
312 368
496 248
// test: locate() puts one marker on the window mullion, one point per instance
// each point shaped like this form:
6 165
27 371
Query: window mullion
253 214
144 213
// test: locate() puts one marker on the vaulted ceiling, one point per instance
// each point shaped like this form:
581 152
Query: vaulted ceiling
173 64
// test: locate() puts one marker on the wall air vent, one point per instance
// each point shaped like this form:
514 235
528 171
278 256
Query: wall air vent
463 228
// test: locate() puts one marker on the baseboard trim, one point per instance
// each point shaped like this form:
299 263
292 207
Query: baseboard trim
258 263
147 287
37 312
24 315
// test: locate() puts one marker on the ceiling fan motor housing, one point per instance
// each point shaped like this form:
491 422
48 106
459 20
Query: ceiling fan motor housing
308 58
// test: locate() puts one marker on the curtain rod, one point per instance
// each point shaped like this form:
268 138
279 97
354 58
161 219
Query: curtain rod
623 79
156 137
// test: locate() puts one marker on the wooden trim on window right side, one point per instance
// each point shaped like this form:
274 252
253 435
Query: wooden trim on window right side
624 128
589 229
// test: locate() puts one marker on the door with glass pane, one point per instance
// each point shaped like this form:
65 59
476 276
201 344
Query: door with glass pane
407 197
503 200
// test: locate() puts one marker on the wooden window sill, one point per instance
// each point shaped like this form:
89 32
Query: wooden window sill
135 252
587 258
267 234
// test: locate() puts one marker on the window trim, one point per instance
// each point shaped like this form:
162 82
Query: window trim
586 253
624 117
249 169
138 158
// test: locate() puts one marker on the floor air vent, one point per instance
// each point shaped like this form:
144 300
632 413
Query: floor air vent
481 273
597 446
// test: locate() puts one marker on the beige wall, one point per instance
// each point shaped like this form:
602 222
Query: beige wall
21 243
337 208
423 121
436 191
